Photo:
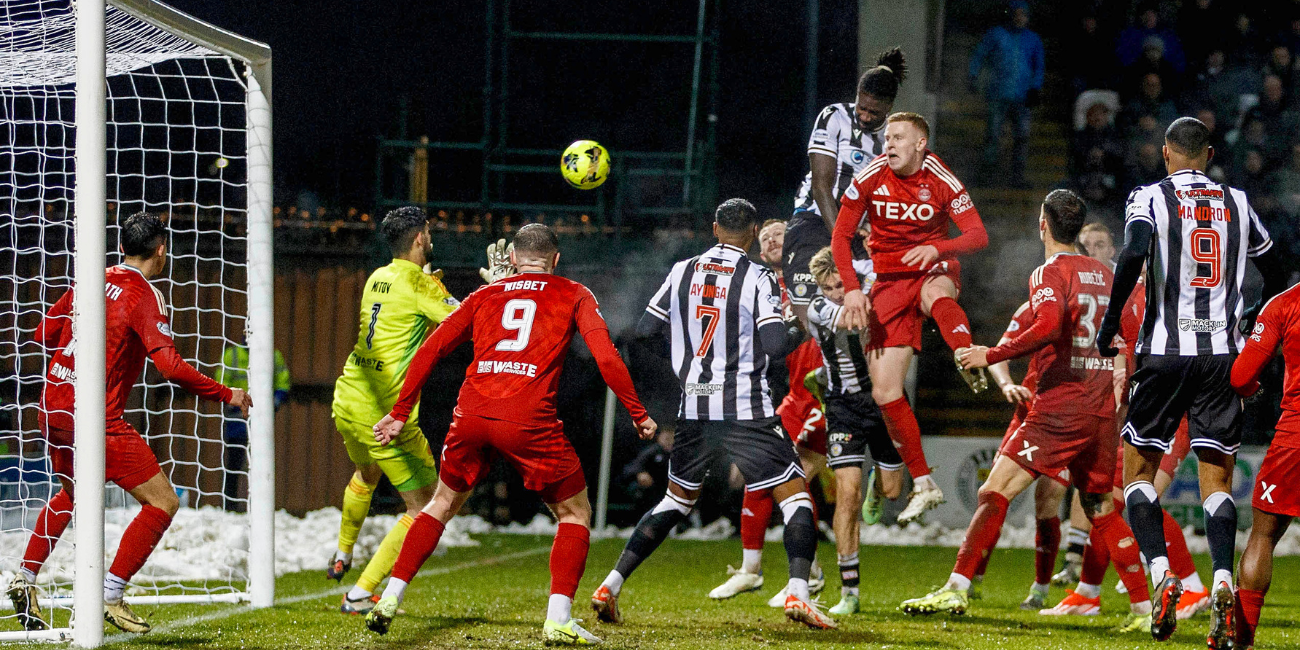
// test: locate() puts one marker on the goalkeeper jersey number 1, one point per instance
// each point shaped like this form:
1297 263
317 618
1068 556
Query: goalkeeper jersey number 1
397 306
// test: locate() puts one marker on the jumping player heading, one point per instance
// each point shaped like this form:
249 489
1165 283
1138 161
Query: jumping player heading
521 327
907 197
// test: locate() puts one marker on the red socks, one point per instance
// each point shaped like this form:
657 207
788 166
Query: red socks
420 541
983 566
1096 557
1047 541
50 525
951 319
569 558
985 528
1180 559
900 421
1124 554
138 541
755 515
1246 613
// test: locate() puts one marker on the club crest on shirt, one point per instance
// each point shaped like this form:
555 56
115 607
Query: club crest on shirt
165 329
857 157
924 194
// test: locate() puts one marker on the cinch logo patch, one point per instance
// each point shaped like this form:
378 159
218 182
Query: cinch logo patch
1255 335
961 203
507 367
904 211
1044 294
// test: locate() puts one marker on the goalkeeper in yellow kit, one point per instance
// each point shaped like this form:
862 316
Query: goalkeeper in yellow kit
400 305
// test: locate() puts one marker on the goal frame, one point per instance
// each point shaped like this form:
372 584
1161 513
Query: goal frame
90 203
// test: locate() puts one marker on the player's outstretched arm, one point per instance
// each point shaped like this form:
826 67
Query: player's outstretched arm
1137 244
1047 301
852 207
149 323
452 332
973 236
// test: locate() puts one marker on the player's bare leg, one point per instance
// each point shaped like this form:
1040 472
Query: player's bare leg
1006 480
421 540
158 504
939 302
568 561
1255 574
848 494
888 368
1215 470
1146 519
1048 495
50 524
356 505
361 598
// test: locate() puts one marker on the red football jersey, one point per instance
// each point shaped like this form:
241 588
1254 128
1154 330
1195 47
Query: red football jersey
1067 296
905 212
1278 326
1020 322
137 326
521 327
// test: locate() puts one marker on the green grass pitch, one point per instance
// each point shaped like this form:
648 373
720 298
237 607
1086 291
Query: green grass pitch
494 596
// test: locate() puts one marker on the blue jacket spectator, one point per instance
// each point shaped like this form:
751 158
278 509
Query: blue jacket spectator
1131 39
1014 56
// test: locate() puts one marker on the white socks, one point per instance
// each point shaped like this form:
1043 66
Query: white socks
751 560
1223 575
395 589
1088 591
614 581
113 588
559 608
1193 583
799 588
30 575
923 483
1159 566
357 593
958 581
346 557
1140 607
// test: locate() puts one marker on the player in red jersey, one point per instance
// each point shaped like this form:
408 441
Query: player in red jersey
907 197
521 327
137 327
1276 499
1069 433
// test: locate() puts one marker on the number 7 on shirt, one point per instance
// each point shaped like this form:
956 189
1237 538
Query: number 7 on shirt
708 317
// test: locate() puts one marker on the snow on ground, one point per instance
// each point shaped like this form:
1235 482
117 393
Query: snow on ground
211 544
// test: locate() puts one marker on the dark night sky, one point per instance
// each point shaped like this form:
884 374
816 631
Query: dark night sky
341 67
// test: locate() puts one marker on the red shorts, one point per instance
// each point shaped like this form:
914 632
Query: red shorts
1168 463
804 421
896 316
540 453
1277 485
1074 449
128 460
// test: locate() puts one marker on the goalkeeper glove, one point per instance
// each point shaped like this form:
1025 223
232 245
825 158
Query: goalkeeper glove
499 266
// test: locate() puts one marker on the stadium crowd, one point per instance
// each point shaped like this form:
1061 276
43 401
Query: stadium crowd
1133 68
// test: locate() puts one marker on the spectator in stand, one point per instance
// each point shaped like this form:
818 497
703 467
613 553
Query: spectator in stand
1150 101
1279 124
1133 39
1098 144
1013 55
1285 184
1220 88
1216 169
1091 63
1241 44
1146 166
1280 64
1291 37
1200 25
1252 178
1152 61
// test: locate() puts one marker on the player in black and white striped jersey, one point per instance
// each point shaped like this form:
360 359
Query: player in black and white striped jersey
1195 234
854 425
845 137
722 314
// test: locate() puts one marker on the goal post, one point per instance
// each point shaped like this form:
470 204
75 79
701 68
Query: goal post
155 110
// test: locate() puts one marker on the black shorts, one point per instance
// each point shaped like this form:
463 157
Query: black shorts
1165 387
804 236
759 448
853 426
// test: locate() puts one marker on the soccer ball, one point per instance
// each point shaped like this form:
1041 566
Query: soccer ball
585 164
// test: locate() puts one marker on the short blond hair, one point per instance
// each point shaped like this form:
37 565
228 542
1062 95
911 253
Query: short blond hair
1097 226
915 119
822 265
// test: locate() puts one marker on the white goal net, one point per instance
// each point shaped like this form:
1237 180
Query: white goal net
178 145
